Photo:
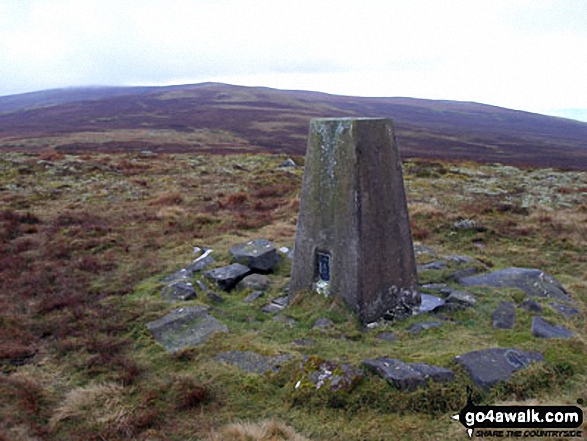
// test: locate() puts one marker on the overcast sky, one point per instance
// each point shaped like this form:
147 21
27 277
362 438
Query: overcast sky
521 54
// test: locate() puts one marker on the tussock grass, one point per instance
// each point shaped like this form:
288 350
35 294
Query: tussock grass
86 240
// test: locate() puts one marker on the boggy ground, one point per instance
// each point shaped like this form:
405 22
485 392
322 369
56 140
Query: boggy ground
85 241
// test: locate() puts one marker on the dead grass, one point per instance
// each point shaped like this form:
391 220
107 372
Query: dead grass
264 431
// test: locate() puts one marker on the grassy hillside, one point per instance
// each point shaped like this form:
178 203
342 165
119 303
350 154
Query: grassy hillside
85 241
226 119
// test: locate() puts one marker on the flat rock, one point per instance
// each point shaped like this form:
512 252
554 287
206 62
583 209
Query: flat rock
462 298
256 282
284 320
275 305
504 316
319 373
457 258
287 163
323 323
251 362
542 329
416 328
534 282
214 298
178 291
488 367
387 336
421 249
462 273
227 277
185 327
432 266
531 306
258 254
429 303
407 376
188 272
253 296
564 310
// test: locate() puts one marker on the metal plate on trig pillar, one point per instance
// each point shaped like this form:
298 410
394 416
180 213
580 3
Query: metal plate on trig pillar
324 267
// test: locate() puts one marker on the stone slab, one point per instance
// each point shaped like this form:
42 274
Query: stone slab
227 277
407 376
253 363
488 367
185 327
543 329
258 254
504 316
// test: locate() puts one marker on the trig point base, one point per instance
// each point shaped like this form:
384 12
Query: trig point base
353 236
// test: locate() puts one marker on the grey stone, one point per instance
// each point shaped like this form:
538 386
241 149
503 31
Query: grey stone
185 327
287 321
421 249
407 376
542 329
276 305
462 273
200 263
253 296
488 367
178 291
504 316
328 375
416 328
258 254
432 266
256 282
434 286
564 310
253 363
323 323
466 224
461 298
429 303
387 336
189 271
353 221
534 282
287 163
228 276
214 298
531 306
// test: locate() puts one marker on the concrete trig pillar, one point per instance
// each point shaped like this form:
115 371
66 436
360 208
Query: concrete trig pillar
353 235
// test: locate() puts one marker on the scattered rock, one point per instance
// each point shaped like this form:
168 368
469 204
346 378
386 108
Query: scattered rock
185 327
287 163
201 263
504 316
457 258
531 306
322 323
228 276
542 329
387 336
432 266
276 305
466 224
287 321
214 298
434 286
421 249
416 328
429 303
462 273
564 310
462 298
256 282
253 296
487 367
323 374
258 254
534 282
178 291
407 375
253 363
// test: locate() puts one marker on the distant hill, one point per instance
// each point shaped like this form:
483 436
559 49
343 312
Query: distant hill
222 118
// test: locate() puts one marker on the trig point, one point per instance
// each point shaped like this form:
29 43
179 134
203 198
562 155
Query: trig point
353 238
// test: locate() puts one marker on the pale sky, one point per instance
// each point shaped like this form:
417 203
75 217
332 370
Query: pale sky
521 54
